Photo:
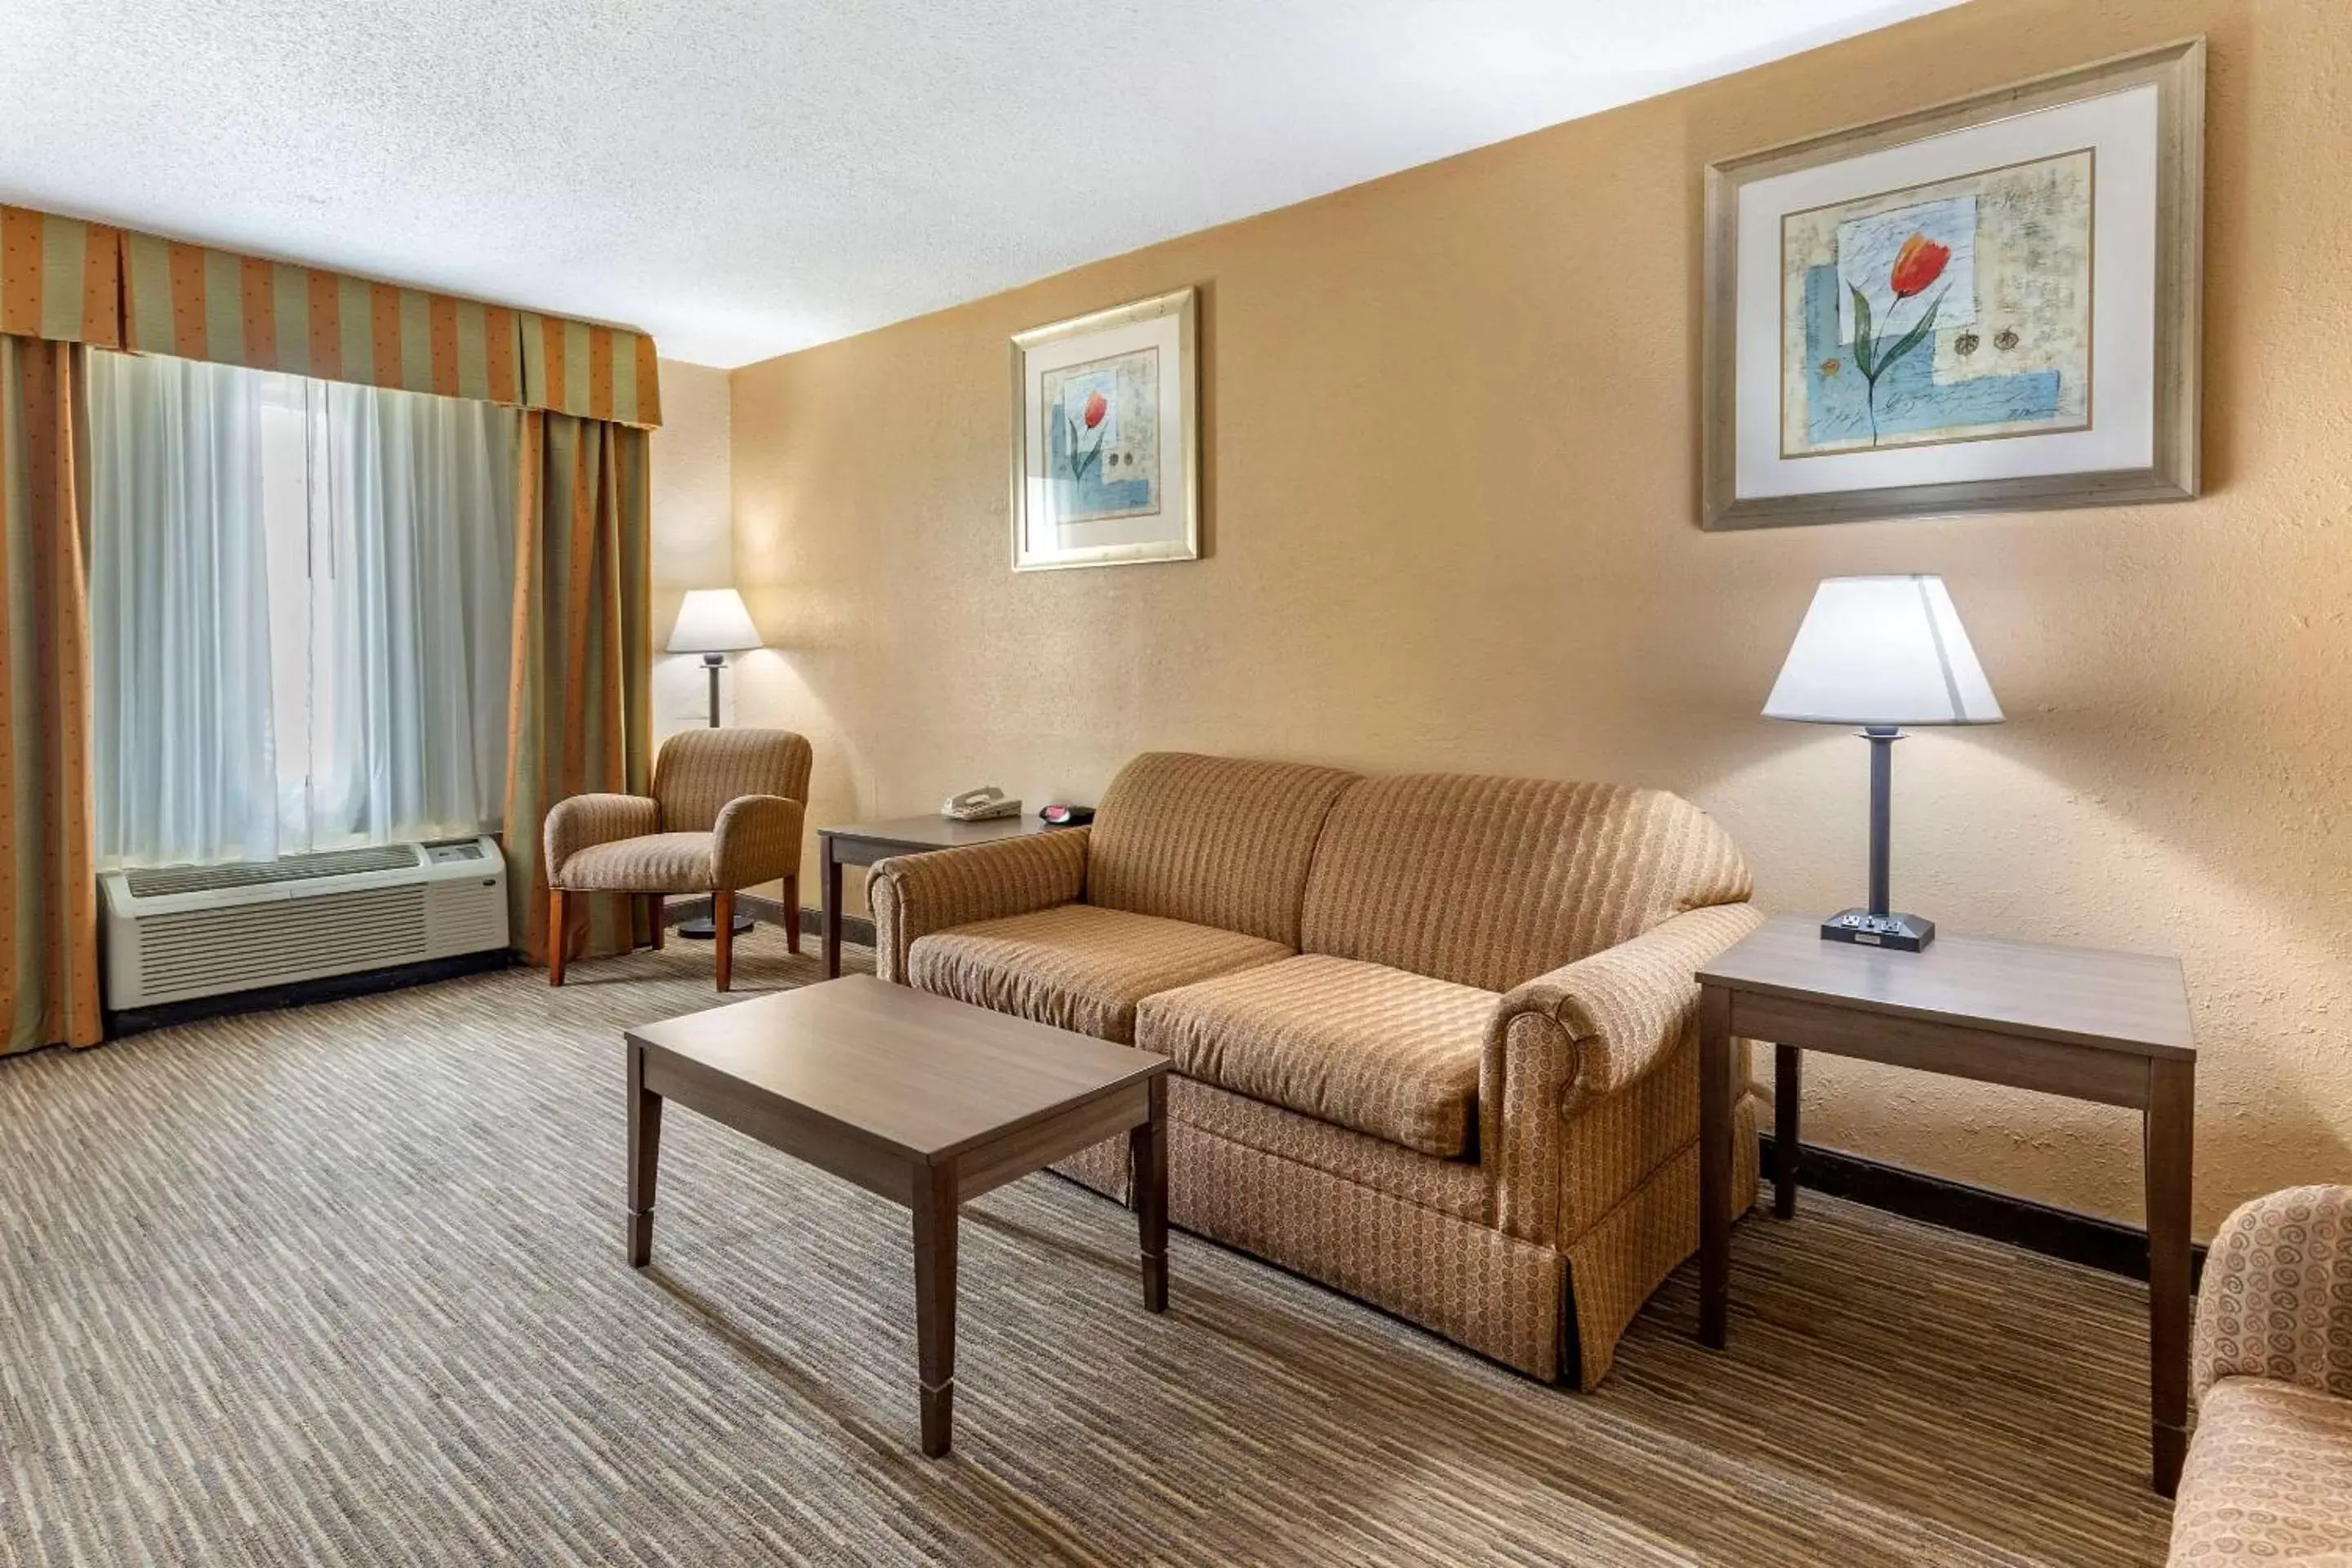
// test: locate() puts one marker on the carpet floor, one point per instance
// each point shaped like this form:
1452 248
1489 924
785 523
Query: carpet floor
344 1284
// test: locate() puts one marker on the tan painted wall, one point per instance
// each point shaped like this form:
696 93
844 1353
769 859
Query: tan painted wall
1450 444
693 543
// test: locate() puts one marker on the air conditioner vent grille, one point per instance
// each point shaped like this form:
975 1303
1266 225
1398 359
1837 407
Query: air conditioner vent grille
156 881
199 951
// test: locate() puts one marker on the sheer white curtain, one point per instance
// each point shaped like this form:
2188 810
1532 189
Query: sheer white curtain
302 611
412 617
185 765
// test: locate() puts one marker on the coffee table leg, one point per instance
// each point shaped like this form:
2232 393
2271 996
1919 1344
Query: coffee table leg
935 1300
1147 1146
1714 1058
645 1156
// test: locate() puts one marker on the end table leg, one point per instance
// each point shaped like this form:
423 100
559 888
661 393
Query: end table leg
2169 1132
935 1300
1788 1068
1147 1146
1714 1058
645 1156
829 890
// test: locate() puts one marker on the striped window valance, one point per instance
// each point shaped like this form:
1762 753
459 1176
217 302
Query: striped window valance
596 372
61 278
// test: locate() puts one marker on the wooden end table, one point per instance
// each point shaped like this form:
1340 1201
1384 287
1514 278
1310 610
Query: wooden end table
925 1101
864 843
2111 1028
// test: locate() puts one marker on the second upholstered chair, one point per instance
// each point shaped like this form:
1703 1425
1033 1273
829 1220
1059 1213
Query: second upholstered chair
725 814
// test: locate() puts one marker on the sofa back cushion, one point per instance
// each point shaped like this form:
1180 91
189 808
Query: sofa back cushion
1491 881
1218 841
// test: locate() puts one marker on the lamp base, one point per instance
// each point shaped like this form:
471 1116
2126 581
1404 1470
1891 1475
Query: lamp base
1905 933
703 930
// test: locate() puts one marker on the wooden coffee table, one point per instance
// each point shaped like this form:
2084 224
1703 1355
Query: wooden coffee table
925 1101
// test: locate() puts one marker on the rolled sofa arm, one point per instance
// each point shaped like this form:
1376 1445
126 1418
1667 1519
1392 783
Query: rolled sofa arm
915 895
1585 1030
1621 1010
756 839
2277 1297
583 821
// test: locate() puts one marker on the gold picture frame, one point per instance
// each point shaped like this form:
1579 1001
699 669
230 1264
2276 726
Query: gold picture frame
1106 468
1798 425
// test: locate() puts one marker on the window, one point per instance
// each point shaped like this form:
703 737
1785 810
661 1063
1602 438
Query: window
301 601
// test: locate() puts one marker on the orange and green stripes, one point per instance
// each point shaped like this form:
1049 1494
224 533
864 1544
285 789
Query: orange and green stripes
201 304
59 278
590 372
69 281
580 706
48 871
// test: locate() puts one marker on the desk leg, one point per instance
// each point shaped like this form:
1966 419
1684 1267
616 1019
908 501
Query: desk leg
1787 1068
935 1301
645 1157
830 891
2168 1148
1715 1065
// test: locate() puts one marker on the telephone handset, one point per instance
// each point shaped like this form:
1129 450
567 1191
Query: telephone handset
982 804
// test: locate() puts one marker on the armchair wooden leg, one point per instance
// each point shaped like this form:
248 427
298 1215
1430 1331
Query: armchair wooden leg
792 913
722 918
555 936
655 901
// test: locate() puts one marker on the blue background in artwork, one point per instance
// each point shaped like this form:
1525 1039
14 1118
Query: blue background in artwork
1909 397
1092 496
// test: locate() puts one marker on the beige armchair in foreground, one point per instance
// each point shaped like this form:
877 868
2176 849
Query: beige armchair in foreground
725 814
2269 1476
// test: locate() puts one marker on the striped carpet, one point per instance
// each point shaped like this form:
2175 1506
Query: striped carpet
345 1285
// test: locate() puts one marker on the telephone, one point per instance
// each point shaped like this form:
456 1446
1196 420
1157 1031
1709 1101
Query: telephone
982 804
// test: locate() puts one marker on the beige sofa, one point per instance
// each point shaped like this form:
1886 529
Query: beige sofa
2269 1476
1435 1036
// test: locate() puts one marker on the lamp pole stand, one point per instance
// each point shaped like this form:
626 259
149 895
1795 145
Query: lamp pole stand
1878 926
705 930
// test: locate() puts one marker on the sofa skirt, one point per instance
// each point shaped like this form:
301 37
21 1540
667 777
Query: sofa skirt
1487 1292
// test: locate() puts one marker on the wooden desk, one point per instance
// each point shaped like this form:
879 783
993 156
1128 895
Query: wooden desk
2106 1026
862 844
923 1101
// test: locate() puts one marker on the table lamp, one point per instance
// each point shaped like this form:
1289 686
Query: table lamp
713 622
1882 652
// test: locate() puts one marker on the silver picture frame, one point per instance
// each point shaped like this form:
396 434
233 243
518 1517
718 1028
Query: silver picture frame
1170 530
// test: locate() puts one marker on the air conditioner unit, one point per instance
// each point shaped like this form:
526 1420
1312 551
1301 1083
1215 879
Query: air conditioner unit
173 932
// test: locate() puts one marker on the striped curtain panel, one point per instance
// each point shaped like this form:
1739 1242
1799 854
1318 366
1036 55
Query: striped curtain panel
49 858
580 709
59 297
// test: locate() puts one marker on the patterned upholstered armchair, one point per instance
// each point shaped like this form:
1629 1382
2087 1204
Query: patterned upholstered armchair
2269 1476
725 814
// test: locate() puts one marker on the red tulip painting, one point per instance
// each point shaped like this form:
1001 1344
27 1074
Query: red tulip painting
1916 266
1082 458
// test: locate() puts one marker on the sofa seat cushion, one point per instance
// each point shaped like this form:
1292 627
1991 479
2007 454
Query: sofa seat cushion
1075 966
2269 1476
650 863
1360 1045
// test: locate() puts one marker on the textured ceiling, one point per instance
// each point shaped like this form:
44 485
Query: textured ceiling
744 178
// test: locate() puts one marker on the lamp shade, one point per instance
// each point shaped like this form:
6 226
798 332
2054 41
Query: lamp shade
713 620
1881 651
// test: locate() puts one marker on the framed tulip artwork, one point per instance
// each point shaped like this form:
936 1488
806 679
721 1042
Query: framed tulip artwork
1106 469
1989 305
